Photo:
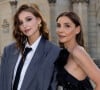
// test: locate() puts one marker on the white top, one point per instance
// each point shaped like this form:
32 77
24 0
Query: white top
26 63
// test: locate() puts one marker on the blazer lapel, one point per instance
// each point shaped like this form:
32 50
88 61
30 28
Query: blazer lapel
32 69
12 63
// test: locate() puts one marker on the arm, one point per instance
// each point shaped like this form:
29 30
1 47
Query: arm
3 71
82 58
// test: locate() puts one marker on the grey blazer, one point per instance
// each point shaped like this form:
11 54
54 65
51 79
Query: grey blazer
40 71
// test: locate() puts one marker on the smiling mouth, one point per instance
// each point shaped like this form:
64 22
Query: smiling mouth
27 30
61 36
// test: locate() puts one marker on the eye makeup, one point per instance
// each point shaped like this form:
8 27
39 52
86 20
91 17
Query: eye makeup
27 19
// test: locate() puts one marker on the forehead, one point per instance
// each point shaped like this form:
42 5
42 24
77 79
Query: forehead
64 19
24 14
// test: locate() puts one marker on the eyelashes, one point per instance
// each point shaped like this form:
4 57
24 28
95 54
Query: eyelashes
65 25
58 25
28 19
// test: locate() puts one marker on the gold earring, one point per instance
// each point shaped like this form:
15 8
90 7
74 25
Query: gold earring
39 26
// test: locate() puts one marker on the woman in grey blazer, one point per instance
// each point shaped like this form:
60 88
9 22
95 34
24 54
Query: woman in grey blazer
36 73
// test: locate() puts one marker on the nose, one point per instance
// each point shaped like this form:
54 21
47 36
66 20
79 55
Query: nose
59 30
24 24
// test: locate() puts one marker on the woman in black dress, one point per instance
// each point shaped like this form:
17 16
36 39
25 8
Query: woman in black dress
74 65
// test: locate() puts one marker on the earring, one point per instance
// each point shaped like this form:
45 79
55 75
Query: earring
39 26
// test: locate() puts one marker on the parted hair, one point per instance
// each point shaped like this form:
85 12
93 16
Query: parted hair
76 20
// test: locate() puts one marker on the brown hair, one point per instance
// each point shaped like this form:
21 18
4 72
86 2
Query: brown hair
18 35
76 20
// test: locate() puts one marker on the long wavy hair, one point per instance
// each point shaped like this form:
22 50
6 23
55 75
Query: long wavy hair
20 38
76 20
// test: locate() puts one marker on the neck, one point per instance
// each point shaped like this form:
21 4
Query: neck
32 39
70 46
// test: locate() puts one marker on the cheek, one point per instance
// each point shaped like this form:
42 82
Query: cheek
34 24
70 33
57 30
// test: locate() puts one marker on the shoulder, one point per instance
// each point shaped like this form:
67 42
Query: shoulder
81 56
52 50
51 46
10 48
79 51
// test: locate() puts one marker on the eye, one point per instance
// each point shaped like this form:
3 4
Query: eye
67 25
28 19
58 25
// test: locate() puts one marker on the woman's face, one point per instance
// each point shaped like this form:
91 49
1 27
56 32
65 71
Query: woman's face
66 30
29 24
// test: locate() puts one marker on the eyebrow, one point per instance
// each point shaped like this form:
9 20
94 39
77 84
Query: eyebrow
64 23
28 16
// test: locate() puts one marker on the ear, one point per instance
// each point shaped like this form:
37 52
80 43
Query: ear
78 29
39 20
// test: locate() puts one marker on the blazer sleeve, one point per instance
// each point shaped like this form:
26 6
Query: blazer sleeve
3 67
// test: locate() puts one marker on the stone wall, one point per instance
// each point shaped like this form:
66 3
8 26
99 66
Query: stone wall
8 9
88 10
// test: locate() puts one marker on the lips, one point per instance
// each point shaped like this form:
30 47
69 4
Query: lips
61 36
27 30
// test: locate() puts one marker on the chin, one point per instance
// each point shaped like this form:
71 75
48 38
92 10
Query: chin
62 41
27 35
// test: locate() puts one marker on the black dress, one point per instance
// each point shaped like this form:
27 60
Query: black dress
65 80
